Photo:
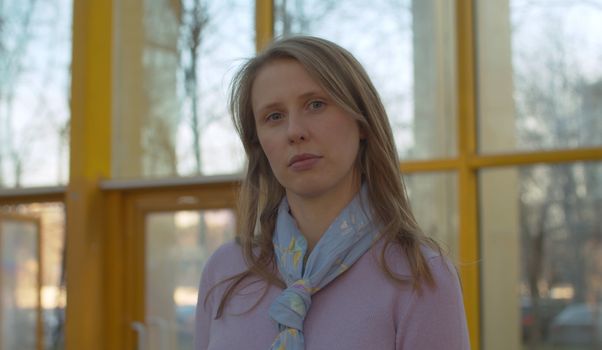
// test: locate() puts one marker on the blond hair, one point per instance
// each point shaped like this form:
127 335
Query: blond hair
347 83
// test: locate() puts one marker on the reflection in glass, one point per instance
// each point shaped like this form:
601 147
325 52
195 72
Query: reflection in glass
51 218
177 246
175 60
434 202
540 78
542 256
407 48
35 58
19 283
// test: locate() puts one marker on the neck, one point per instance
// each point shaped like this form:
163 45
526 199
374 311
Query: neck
315 214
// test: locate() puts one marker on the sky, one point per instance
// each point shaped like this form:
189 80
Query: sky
39 81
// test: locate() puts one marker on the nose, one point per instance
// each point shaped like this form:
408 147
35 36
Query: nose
297 130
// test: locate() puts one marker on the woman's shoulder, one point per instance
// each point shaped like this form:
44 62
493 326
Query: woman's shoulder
227 251
437 259
226 261
397 260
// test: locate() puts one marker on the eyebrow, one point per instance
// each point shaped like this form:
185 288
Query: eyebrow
309 94
303 96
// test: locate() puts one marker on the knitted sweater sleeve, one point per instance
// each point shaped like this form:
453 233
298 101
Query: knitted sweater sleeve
434 318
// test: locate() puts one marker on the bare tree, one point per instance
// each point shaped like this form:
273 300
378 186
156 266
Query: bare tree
11 68
198 36
193 23
294 17
556 107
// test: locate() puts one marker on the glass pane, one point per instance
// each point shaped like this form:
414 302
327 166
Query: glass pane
174 61
539 74
177 246
35 59
434 199
541 240
52 233
19 287
407 47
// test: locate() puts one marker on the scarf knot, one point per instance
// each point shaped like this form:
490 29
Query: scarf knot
290 307
348 237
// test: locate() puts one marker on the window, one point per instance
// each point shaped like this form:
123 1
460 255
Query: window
540 78
542 239
539 82
174 61
35 58
24 227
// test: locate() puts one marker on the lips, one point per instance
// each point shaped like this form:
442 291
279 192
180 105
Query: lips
302 158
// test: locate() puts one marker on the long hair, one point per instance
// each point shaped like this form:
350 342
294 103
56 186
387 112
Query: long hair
347 83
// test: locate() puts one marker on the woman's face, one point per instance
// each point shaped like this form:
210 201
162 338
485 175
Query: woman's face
310 142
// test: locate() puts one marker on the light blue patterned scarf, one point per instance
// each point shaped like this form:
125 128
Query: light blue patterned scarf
350 235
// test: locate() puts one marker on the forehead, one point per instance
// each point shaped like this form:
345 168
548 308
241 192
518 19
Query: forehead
281 77
281 67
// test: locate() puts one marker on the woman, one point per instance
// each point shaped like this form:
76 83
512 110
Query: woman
329 255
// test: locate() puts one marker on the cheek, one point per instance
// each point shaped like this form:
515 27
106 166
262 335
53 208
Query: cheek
348 134
352 144
274 155
270 149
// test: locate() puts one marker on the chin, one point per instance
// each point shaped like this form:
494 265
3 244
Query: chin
306 189
318 184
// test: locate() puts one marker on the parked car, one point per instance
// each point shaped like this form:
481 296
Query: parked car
577 324
548 309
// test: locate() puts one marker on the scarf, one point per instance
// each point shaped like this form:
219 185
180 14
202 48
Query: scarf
349 236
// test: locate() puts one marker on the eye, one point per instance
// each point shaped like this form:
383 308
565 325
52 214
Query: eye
274 116
316 105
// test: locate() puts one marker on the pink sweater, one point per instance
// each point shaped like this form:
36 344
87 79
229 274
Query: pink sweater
361 309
